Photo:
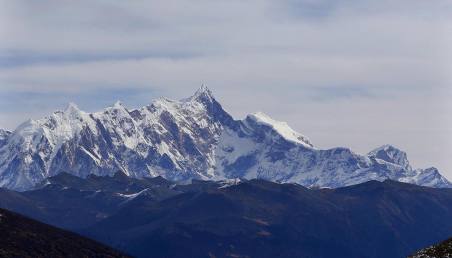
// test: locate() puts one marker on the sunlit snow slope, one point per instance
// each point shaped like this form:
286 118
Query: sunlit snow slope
186 139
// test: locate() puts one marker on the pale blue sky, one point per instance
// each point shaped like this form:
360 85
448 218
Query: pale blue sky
344 73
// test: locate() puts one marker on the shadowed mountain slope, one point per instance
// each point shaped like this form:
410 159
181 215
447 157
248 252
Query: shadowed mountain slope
254 218
441 250
263 219
24 237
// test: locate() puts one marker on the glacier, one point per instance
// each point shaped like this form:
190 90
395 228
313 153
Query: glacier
193 138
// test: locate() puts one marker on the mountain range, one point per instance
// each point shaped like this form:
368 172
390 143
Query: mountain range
194 138
154 217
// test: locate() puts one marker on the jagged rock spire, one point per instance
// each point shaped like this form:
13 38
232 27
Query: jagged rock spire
202 94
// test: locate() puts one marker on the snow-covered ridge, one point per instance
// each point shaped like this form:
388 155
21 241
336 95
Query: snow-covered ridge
391 154
193 138
282 128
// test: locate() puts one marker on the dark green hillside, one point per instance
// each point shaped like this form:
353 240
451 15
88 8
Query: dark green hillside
24 237
441 250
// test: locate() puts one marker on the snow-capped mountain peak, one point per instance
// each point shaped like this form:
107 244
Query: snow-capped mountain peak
282 128
391 154
118 104
203 91
117 109
72 108
194 138
202 95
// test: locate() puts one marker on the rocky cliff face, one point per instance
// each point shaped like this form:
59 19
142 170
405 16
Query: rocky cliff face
194 138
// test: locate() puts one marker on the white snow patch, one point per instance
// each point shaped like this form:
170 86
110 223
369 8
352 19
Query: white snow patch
132 196
229 182
282 128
